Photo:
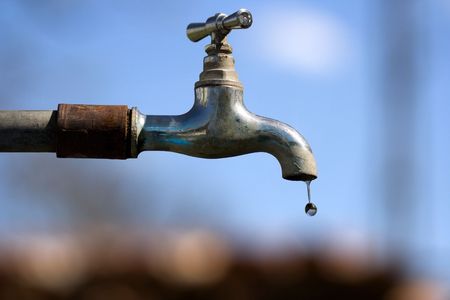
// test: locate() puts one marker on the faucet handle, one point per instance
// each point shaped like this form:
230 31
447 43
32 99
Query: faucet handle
219 25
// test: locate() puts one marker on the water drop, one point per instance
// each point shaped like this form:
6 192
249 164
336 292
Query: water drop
311 209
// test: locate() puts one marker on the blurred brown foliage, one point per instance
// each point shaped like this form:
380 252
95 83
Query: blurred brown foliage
189 265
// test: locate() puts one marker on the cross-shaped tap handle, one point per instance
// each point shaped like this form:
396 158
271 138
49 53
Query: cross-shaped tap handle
219 25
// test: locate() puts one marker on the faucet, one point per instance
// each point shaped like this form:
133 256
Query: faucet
217 126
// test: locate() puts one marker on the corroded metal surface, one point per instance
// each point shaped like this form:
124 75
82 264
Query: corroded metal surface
93 131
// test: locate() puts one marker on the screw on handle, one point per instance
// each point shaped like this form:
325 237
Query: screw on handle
219 25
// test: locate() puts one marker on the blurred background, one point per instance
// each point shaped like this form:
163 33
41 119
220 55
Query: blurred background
366 82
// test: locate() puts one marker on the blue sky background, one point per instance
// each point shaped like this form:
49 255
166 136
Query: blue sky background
312 64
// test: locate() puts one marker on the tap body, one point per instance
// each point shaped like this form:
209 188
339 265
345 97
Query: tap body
219 125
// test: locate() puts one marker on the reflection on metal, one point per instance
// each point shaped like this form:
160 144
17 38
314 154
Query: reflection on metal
217 126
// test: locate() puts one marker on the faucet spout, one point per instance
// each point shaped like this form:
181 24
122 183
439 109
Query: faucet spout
288 146
219 125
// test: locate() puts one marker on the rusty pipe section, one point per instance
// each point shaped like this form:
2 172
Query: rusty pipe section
93 131
74 130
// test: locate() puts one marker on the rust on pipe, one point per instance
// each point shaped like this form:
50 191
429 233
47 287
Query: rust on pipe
93 131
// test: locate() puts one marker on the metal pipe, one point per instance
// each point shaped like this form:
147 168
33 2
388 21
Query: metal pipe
28 130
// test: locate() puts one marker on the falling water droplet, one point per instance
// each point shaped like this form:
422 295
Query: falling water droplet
310 208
